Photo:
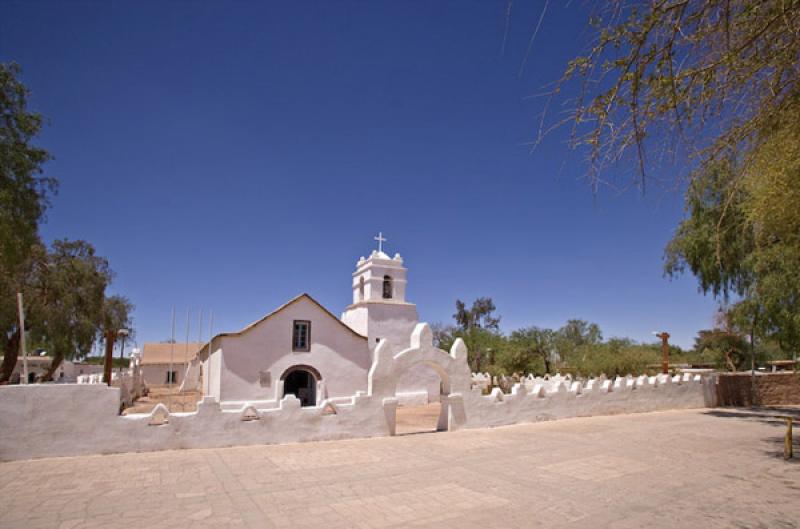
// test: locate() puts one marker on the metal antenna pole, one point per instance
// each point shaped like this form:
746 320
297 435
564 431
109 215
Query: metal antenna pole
185 357
171 355
199 341
210 338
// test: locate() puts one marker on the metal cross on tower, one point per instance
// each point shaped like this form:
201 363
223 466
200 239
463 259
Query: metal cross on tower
380 240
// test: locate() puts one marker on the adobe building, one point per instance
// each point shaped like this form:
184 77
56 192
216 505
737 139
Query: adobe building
303 349
163 364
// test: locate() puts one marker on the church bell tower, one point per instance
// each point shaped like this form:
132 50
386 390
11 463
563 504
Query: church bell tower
379 309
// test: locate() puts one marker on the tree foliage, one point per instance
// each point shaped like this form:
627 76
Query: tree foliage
578 346
531 350
478 327
24 192
713 85
684 78
741 236
24 189
64 287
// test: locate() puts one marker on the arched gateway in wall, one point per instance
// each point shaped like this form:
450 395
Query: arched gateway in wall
452 369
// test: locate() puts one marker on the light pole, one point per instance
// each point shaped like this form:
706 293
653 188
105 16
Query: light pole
122 333
664 350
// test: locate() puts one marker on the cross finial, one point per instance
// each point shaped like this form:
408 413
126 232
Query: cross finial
380 240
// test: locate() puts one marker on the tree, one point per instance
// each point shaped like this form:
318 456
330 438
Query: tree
575 339
443 335
68 300
690 78
24 192
116 315
716 238
67 309
742 235
64 288
480 315
713 85
479 328
724 347
532 349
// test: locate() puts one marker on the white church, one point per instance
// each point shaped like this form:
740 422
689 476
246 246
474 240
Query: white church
301 348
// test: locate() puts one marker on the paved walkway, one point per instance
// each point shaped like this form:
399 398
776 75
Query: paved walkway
703 468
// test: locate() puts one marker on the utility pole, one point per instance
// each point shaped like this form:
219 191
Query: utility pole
21 311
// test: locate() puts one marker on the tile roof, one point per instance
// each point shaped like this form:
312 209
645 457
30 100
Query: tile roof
159 353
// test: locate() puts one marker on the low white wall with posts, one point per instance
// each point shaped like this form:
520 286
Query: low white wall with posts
44 420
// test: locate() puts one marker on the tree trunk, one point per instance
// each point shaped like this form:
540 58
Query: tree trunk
10 356
729 361
57 360
110 339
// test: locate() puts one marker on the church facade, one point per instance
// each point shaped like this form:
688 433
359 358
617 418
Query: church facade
303 349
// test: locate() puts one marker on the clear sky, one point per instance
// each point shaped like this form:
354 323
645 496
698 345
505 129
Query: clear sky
231 155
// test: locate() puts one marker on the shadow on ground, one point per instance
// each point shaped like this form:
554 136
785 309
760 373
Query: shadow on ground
772 416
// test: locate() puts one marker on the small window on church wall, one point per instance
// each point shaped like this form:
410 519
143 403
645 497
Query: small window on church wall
387 287
301 335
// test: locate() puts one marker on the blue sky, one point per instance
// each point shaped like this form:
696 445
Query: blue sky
232 155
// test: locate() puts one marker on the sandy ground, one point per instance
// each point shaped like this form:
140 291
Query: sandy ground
174 400
417 419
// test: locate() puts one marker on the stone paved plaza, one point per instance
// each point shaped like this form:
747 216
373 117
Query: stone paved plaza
700 468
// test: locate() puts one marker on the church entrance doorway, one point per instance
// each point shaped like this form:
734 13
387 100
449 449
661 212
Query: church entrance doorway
301 381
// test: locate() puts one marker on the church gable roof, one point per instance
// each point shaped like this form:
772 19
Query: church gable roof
286 305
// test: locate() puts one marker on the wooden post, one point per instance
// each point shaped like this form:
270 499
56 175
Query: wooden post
111 337
22 351
753 392
788 451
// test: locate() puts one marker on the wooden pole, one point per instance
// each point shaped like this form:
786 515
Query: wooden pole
788 451
753 392
21 311
109 355
664 352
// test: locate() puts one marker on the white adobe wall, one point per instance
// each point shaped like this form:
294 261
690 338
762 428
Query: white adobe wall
44 420
341 356
47 420
585 399
156 374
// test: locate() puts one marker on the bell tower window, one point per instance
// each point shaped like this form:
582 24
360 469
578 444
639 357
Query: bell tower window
361 289
387 287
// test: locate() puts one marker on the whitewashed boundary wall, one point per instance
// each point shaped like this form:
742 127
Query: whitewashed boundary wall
48 420
44 420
